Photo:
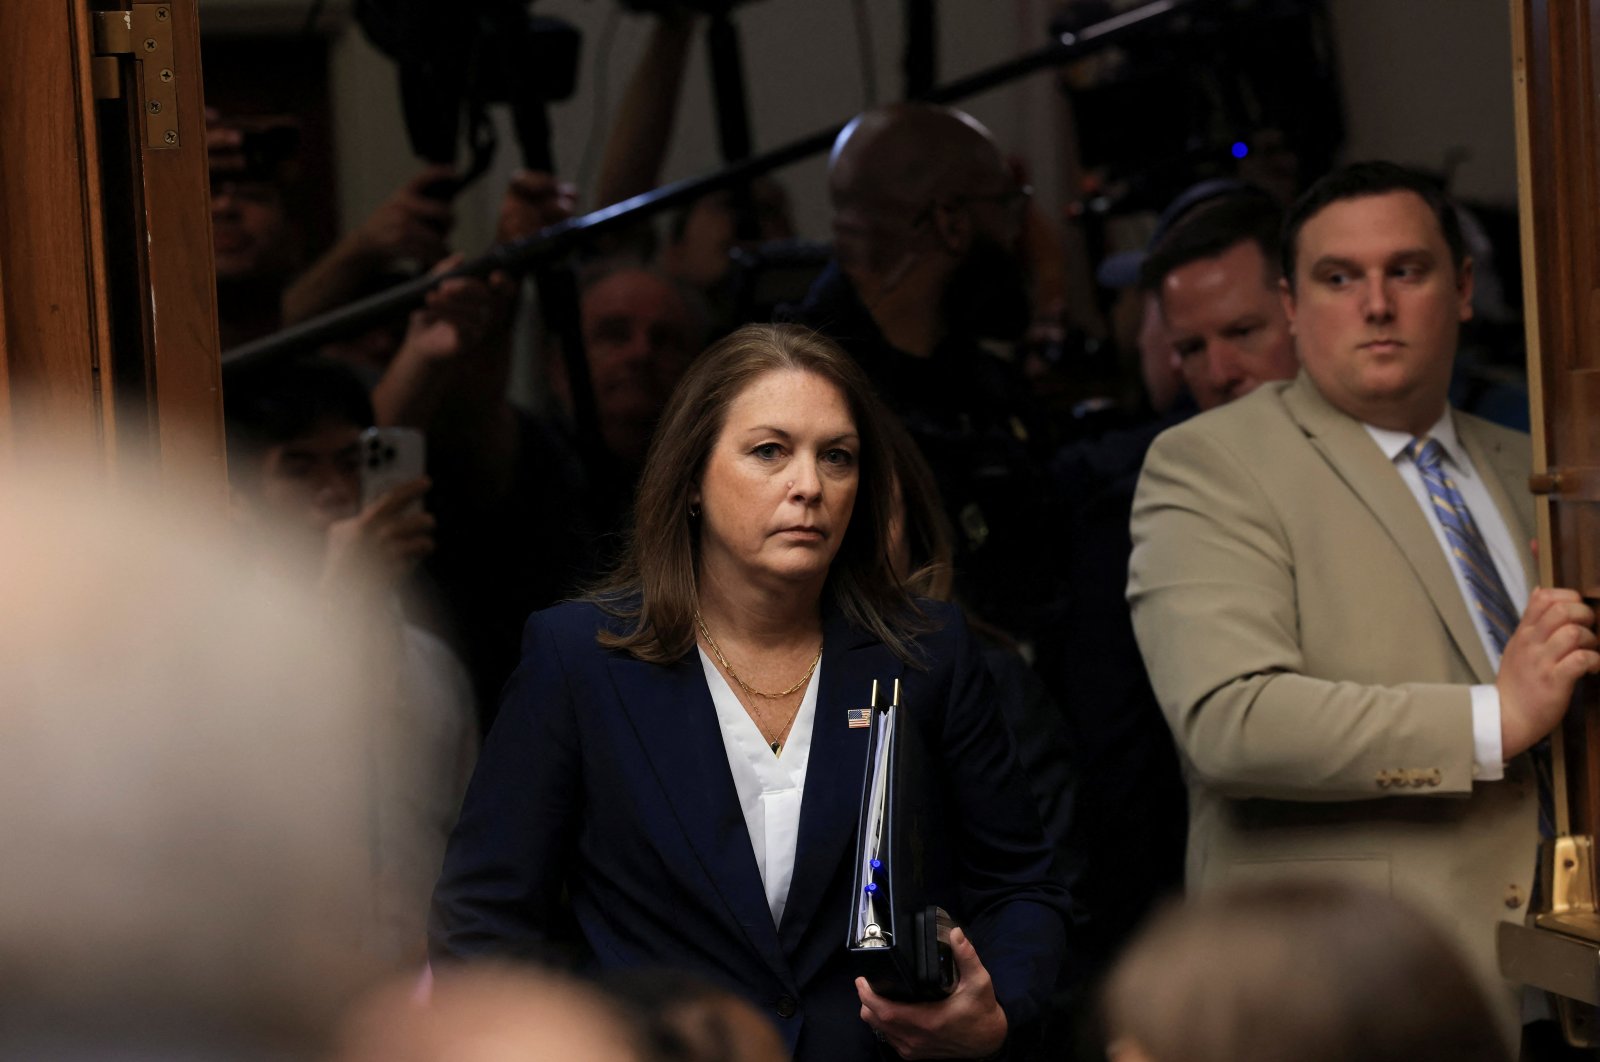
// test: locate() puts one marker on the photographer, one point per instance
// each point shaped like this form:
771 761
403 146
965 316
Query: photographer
294 434
257 240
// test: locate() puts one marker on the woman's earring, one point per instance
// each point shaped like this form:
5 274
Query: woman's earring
694 511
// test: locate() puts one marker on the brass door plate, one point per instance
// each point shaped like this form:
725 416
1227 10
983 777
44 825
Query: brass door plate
1569 868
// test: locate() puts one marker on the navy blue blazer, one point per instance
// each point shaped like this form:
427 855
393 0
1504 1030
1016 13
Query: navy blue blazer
607 777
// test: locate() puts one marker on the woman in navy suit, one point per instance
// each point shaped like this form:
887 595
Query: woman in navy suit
675 755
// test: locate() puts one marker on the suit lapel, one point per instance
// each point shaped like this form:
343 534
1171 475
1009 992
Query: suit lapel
671 712
1357 460
834 771
1498 467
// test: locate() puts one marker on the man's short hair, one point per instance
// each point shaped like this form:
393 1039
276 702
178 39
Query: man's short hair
1215 227
1360 180
269 405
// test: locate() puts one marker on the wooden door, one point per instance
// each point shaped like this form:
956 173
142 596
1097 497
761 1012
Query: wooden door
108 334
1560 191
1556 68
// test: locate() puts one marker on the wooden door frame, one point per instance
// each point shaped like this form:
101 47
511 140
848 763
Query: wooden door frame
70 370
1555 70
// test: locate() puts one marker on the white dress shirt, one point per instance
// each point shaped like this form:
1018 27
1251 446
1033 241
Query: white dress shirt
1502 550
770 787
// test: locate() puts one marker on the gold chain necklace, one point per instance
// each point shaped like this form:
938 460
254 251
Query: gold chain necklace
716 651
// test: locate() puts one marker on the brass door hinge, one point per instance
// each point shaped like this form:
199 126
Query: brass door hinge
1569 868
144 35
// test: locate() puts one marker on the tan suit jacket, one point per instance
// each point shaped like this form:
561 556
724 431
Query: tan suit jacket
1312 652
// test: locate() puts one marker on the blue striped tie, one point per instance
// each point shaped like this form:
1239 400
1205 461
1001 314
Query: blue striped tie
1489 601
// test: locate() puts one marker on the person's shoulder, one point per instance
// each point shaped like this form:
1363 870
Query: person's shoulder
1255 426
944 626
1085 468
942 615
926 623
435 678
1242 418
574 622
1492 434
432 651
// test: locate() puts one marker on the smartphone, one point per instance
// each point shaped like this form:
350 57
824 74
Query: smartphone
389 458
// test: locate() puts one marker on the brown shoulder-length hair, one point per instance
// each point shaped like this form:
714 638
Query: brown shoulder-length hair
654 588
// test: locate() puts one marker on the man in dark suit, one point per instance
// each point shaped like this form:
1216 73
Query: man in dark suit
1213 266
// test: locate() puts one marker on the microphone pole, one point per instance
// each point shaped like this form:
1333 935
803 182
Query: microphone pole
564 237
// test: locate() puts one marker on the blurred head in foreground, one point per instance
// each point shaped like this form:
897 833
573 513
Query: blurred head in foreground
689 1020
1296 971
182 812
492 1013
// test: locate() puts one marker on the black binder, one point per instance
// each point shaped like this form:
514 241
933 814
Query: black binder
900 943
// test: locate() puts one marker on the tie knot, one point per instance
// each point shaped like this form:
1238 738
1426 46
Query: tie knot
1426 453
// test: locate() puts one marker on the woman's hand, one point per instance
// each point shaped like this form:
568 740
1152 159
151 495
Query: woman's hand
969 1024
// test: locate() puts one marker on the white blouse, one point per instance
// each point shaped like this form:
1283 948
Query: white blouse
770 787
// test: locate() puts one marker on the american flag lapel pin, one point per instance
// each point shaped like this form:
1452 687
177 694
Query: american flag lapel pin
862 717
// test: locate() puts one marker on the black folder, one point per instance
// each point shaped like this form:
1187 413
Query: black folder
899 941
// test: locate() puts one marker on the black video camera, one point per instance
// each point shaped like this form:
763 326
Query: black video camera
452 65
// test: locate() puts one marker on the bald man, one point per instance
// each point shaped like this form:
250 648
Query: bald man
925 290
926 221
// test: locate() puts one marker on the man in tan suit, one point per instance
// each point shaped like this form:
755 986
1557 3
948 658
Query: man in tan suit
1350 683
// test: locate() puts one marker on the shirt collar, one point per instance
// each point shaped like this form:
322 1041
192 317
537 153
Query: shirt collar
1394 443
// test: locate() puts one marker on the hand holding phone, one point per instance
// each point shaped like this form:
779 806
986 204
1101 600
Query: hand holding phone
382 543
391 457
